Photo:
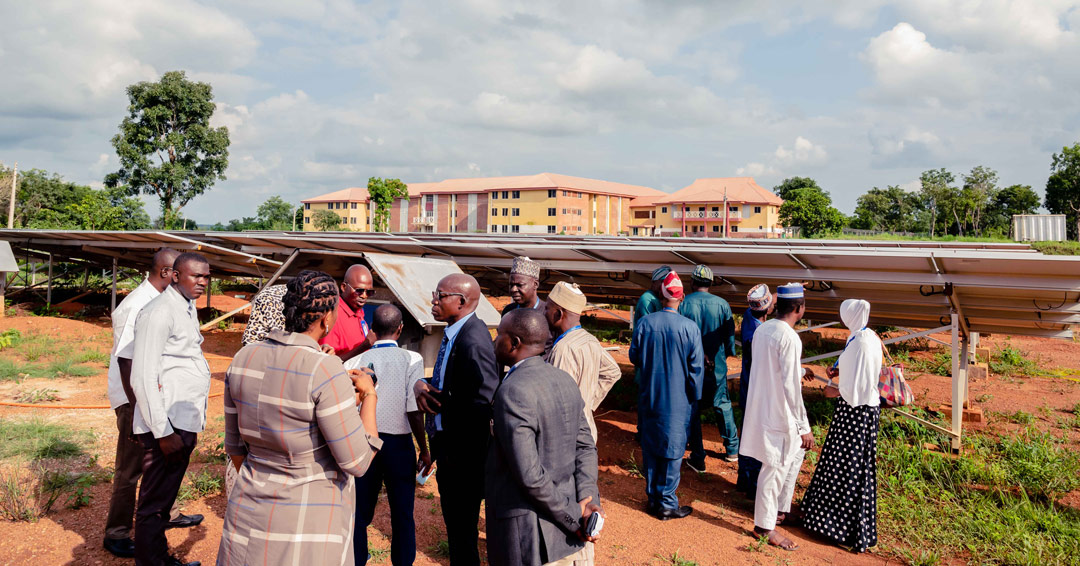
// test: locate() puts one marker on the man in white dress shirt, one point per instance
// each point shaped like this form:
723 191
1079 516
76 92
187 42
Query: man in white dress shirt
397 371
171 382
129 452
776 431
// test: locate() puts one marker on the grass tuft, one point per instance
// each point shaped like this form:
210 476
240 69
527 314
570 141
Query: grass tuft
36 439
202 484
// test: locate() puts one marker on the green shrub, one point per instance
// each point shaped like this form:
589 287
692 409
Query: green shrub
37 439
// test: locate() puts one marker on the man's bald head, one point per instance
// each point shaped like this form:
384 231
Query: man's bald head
465 284
357 286
528 325
164 258
162 268
522 334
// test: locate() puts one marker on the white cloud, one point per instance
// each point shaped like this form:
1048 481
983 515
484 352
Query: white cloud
802 152
908 68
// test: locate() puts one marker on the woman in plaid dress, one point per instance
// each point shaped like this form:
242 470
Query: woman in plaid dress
295 436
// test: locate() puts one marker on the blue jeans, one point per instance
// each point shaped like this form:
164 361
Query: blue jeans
661 480
394 465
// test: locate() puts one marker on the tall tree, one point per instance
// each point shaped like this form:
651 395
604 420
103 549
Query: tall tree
980 190
166 145
383 193
1063 187
275 214
937 194
786 188
326 220
891 209
811 209
298 219
1015 199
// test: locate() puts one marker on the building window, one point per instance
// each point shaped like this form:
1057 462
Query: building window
551 229
635 231
506 212
352 220
515 228
307 206
733 209
663 210
504 228
515 212
494 228
516 194
757 210
354 206
734 228
307 220
506 194
495 195
715 228
566 193
494 212
330 206
701 209
551 212
564 211
716 209
552 193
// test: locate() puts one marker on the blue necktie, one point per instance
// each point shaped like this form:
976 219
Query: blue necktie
434 422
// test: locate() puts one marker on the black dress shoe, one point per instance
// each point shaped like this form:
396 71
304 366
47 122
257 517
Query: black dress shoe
174 561
122 547
184 521
668 513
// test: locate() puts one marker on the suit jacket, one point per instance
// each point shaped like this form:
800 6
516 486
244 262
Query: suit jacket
471 378
541 463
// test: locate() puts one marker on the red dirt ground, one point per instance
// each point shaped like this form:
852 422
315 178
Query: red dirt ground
717 532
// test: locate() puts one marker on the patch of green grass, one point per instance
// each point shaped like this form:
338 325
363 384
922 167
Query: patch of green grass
940 364
69 367
998 497
441 548
11 370
35 350
36 439
378 554
760 544
1019 417
1057 248
202 484
92 356
1009 361
675 560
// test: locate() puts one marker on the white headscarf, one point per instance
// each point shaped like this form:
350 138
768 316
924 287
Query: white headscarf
860 364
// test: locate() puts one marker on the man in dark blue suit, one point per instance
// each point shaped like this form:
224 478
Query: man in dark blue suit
541 467
458 400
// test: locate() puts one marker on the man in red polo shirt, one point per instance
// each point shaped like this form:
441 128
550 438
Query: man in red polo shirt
349 337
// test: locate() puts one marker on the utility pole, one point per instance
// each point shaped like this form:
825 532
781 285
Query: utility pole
11 203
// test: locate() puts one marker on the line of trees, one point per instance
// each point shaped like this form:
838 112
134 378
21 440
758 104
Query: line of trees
970 204
45 200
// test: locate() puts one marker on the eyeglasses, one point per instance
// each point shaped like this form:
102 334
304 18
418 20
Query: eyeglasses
438 296
364 292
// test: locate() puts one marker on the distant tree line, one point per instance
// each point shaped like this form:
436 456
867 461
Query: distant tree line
45 200
971 204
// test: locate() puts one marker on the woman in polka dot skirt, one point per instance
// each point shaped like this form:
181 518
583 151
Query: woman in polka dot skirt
841 502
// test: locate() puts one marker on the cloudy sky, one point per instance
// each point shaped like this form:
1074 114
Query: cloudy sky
319 95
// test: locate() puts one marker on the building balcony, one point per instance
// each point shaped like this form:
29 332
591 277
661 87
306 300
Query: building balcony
705 215
426 220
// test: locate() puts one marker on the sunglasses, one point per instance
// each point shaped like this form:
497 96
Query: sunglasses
438 296
364 292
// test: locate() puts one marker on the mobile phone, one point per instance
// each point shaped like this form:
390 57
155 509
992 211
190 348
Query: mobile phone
594 524
374 378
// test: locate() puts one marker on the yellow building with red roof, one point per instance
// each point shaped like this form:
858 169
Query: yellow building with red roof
720 207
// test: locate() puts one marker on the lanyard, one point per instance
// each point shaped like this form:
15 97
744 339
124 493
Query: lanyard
850 338
564 334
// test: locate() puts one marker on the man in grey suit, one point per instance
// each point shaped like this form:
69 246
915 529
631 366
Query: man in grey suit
541 466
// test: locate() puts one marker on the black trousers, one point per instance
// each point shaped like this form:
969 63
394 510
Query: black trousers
394 465
460 474
161 479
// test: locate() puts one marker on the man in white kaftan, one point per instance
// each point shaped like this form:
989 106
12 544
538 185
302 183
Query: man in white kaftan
776 430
